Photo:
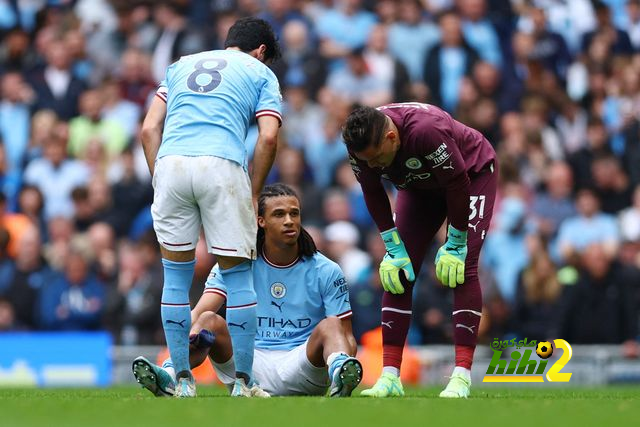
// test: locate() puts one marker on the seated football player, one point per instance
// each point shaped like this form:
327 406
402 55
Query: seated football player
304 343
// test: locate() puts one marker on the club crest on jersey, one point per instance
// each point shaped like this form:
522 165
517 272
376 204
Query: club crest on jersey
413 163
278 290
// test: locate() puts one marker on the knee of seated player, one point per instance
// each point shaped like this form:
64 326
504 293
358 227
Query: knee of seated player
329 326
210 321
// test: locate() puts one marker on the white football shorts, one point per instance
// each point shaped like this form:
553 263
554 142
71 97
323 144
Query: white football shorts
207 191
283 373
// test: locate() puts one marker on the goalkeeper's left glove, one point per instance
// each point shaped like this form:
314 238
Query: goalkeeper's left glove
450 258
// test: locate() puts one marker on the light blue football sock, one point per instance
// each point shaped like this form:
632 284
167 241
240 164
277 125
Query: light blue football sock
176 311
241 316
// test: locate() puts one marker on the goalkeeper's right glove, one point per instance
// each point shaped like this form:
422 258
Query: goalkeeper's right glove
394 260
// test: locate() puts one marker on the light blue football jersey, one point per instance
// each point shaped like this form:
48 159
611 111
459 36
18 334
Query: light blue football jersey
292 300
211 98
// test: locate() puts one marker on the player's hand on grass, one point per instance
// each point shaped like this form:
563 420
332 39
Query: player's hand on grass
394 260
450 258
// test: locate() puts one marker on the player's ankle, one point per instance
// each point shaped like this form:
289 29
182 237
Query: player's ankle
184 374
391 370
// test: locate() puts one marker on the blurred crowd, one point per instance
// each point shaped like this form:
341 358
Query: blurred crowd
553 85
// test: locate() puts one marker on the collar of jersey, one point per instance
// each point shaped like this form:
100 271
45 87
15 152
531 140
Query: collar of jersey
277 265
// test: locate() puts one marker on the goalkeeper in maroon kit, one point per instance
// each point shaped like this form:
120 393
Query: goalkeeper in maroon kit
442 170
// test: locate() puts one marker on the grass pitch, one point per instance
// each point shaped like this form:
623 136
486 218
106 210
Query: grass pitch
131 406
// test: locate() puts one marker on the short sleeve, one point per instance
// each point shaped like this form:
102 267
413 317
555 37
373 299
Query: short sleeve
336 292
270 100
215 283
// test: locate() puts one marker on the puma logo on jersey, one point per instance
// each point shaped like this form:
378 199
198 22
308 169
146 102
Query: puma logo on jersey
449 166
277 305
474 226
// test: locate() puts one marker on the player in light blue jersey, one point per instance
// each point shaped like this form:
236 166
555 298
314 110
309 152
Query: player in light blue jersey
193 137
304 342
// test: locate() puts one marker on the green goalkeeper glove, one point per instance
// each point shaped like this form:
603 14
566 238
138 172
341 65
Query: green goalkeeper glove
394 260
450 258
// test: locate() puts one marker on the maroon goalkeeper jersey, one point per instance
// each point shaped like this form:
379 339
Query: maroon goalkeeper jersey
436 153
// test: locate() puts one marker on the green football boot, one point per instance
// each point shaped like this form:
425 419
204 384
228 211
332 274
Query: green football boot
458 387
388 385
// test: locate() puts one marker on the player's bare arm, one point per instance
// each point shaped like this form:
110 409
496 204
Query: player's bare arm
209 301
151 133
264 153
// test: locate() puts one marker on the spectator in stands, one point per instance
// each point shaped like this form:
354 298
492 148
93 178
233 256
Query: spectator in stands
600 305
535 118
56 176
31 204
336 206
131 311
174 39
515 71
304 116
75 300
90 125
633 24
55 86
279 13
448 62
505 252
597 145
342 246
611 184
538 291
571 123
136 83
385 67
590 226
411 38
617 39
15 119
43 125
343 28
324 151
291 170
358 83
549 47
118 109
30 276
301 66
479 31
555 204
347 182
629 219
102 244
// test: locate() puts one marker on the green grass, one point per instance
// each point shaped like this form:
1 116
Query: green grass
130 406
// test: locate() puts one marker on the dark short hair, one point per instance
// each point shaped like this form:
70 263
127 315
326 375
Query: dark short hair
249 33
363 128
